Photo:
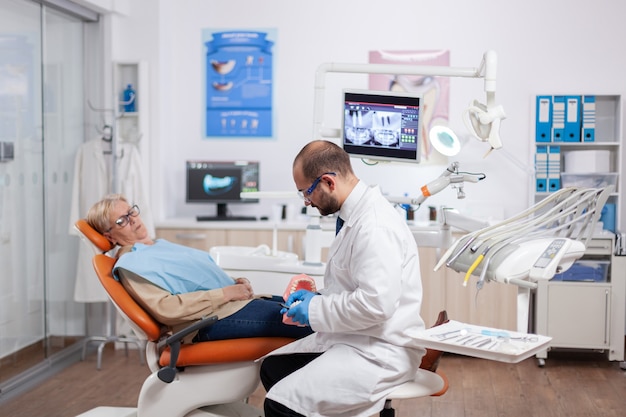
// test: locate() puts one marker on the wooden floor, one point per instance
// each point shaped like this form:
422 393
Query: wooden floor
568 385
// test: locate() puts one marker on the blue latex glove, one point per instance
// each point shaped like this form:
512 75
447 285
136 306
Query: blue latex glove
299 311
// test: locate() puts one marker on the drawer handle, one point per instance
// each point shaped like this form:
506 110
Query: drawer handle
599 246
190 236
607 305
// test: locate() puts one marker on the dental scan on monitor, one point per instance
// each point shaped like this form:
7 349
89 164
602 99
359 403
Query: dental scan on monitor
381 125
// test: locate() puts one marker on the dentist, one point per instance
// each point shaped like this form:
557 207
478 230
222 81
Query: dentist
364 316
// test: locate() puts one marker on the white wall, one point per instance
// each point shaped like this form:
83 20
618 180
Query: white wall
557 46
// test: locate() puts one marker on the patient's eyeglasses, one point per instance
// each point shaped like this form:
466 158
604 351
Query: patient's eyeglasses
123 220
306 193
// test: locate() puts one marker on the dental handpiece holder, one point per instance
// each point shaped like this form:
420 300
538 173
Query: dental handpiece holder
534 245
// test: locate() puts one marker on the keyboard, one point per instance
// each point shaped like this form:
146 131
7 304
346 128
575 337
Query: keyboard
225 218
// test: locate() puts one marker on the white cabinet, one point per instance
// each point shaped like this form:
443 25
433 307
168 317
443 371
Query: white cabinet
206 235
586 315
577 314
196 238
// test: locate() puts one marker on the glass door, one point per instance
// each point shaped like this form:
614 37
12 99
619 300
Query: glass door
63 132
41 127
21 189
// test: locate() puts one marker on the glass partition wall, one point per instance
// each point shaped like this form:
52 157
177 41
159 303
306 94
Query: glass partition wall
41 126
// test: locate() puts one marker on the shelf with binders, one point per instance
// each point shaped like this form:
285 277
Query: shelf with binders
578 143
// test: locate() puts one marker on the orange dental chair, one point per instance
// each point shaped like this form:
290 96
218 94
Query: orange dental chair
215 375
207 378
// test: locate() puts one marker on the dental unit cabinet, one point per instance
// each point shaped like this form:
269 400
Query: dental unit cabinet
585 314
578 142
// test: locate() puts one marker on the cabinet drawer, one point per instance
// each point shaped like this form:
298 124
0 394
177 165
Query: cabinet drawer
196 238
600 247
578 314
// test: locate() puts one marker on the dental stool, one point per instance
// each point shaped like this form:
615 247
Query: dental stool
202 379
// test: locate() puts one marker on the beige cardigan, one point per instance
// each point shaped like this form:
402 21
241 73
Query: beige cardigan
177 311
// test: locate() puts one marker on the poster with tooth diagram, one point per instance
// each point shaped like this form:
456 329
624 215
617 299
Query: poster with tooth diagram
239 83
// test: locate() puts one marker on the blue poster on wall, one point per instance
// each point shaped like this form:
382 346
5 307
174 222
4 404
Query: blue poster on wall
239 84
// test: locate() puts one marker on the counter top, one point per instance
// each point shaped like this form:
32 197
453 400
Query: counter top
192 223
325 223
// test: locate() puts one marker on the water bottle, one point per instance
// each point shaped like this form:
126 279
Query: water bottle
129 98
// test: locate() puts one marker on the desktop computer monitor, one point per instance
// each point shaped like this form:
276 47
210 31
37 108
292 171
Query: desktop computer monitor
221 183
382 125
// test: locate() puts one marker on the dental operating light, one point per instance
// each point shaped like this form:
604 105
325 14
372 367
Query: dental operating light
481 119
444 140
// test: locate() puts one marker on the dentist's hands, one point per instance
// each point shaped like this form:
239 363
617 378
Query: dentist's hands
298 303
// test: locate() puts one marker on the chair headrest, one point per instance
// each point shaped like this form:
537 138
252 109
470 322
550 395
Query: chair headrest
95 237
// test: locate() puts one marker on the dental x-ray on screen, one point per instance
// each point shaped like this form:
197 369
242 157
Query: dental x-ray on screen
381 125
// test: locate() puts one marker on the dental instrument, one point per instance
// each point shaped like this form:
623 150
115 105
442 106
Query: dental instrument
484 342
446 335
496 333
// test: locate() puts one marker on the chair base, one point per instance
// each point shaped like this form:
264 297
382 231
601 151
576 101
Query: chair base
236 409
198 387
110 412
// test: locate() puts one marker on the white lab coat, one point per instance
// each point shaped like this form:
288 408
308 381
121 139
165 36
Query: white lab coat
364 319
92 181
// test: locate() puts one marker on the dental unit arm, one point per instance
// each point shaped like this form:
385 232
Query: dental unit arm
451 176
482 120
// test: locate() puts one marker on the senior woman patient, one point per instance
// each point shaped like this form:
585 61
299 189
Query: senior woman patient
177 284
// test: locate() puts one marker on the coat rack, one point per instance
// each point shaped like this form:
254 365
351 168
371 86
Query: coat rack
109 135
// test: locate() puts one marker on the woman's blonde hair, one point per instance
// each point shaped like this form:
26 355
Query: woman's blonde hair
98 214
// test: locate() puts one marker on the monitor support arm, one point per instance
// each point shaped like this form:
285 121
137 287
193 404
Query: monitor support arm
483 120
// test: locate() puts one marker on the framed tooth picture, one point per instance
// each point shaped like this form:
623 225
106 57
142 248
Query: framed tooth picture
434 90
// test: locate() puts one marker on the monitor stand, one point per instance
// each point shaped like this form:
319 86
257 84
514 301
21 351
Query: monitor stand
222 216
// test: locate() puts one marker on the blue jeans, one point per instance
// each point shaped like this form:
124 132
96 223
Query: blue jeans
259 318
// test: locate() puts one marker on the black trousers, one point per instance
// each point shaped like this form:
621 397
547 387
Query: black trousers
275 368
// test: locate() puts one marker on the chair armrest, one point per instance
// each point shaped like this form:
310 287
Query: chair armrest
181 334
168 373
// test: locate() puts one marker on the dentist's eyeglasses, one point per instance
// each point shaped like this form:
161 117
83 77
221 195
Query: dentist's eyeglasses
306 193
123 220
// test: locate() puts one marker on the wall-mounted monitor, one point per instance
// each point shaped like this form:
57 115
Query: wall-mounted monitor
221 183
382 125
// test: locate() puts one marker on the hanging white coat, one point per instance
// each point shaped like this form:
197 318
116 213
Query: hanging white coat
92 181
